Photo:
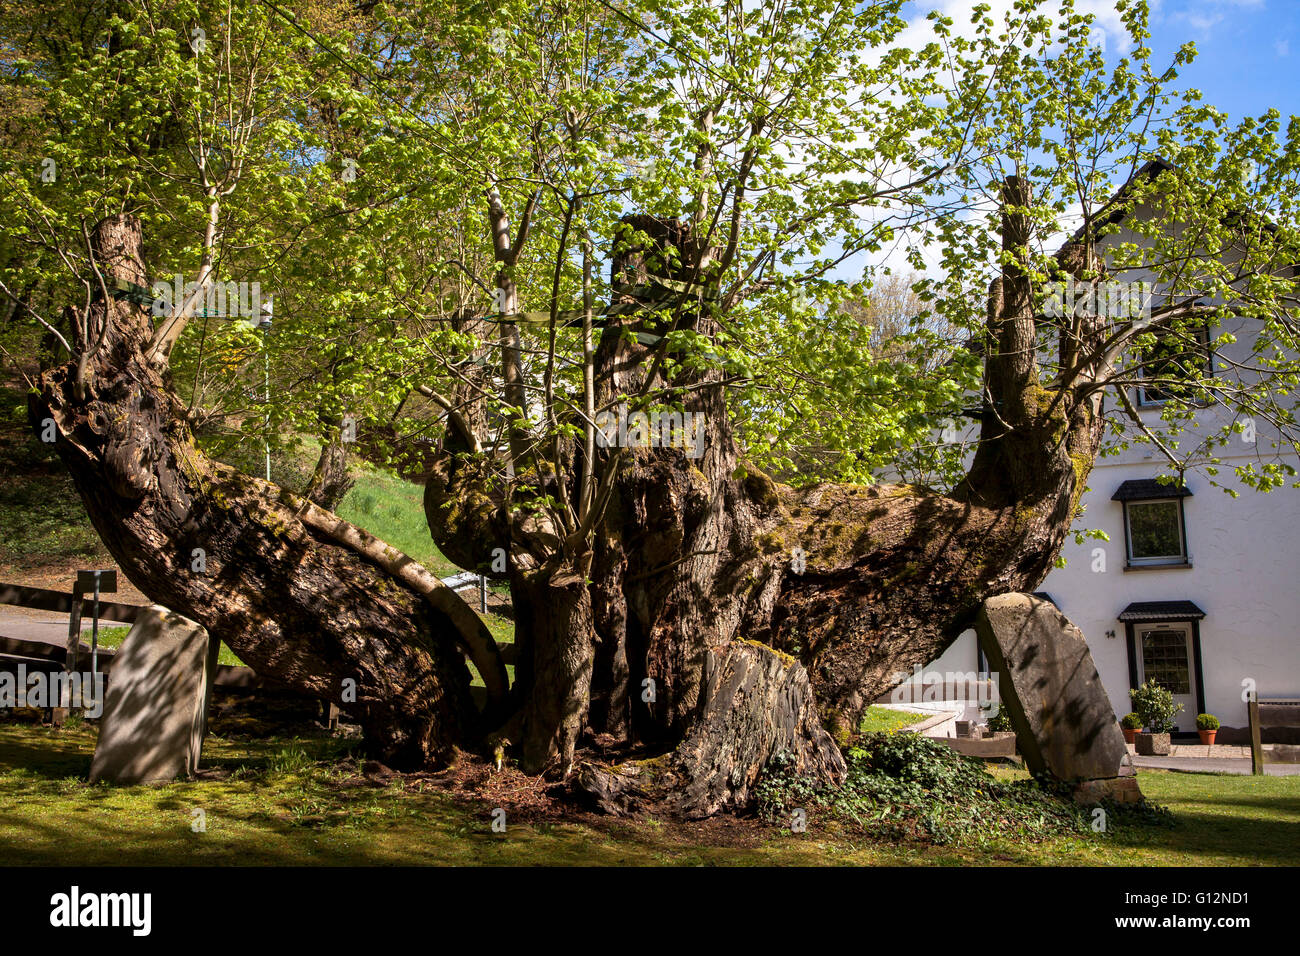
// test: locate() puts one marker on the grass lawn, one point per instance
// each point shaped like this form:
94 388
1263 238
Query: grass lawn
291 801
503 631
393 510
41 513
114 636
884 720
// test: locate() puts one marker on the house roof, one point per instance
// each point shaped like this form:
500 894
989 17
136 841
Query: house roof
1113 210
1148 489
1161 611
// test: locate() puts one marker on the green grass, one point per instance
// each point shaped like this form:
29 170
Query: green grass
295 801
41 513
503 631
393 510
884 720
112 637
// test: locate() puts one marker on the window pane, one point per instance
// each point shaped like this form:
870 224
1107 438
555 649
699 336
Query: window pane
1154 529
1164 660
1174 359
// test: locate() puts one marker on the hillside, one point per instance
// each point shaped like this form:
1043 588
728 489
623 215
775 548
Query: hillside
45 535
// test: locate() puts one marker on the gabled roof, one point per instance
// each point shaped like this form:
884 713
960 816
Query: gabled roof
1161 611
1112 211
1148 489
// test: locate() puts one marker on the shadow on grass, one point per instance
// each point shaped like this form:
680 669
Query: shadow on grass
289 801
1215 838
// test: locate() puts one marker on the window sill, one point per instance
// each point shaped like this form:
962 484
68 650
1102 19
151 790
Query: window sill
1170 566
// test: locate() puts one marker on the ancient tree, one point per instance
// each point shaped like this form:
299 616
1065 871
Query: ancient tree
686 608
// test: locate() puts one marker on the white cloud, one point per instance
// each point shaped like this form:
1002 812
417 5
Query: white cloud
1204 16
1107 21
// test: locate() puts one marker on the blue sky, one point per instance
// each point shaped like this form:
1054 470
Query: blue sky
1248 51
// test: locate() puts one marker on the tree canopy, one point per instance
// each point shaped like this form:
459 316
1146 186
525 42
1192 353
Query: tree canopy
482 232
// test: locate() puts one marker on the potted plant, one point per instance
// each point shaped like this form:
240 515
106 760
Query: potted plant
1155 706
1207 725
999 725
1130 724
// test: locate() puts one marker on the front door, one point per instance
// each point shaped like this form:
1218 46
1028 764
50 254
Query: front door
1165 656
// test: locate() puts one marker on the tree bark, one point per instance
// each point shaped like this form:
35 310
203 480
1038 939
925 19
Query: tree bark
555 627
694 592
682 630
298 593
331 482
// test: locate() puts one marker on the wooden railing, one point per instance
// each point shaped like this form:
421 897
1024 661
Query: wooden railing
1270 713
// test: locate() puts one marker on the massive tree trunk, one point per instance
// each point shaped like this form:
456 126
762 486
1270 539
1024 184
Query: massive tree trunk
697 605
681 629
297 592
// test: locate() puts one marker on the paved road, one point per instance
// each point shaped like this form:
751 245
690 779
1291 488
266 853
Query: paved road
25 624
1214 765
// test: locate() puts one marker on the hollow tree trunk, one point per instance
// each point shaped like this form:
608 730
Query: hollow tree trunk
299 594
693 562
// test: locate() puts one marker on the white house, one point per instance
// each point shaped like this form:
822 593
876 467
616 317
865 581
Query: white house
1195 588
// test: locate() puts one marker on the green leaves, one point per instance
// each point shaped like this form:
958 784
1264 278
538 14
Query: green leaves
348 156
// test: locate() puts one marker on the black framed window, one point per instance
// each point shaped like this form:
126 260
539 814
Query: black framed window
1165 658
1155 523
1156 532
1178 356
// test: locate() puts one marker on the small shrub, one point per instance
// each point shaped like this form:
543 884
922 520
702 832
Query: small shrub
1155 705
1001 721
1207 722
1131 721
905 786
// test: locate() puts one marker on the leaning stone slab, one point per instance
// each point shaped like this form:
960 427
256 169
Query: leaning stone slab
1063 719
155 714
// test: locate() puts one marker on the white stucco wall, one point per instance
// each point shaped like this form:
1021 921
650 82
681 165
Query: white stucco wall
1245 559
1245 556
1245 576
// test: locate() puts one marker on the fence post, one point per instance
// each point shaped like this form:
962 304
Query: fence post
1256 746
73 631
63 706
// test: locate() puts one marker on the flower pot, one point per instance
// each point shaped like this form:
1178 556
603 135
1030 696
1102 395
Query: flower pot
1130 734
1207 736
1152 745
